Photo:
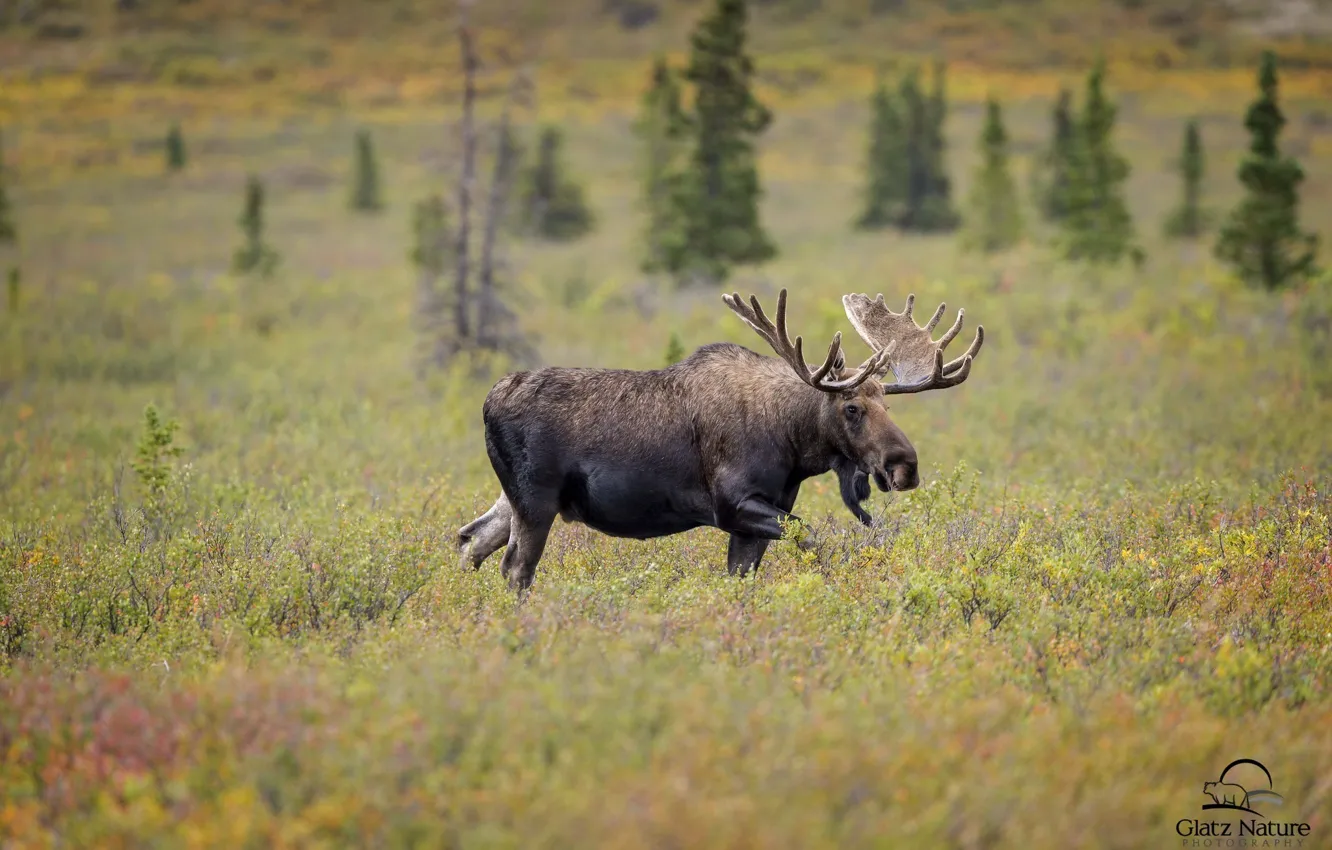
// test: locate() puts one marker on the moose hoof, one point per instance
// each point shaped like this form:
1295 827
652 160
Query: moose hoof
467 554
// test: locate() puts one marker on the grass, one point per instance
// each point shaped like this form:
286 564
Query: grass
1114 581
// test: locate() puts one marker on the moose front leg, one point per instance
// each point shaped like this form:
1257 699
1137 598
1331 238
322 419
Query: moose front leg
744 553
754 523
753 516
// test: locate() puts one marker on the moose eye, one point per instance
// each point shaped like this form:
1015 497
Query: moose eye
852 411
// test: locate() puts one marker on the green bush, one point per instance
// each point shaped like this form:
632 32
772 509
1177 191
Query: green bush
553 206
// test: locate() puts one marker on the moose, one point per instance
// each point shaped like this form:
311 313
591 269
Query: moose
723 438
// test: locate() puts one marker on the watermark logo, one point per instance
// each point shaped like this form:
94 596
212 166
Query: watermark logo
1231 795
1241 786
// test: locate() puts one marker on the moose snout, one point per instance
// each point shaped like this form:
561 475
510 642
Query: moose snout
901 470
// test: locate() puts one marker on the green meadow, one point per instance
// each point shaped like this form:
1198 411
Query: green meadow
1114 580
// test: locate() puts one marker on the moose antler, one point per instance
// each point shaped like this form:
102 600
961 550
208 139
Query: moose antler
793 353
915 359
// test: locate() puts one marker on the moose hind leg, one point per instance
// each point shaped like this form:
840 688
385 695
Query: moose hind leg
526 543
487 534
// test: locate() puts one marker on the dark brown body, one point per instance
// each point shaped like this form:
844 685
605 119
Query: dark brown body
723 439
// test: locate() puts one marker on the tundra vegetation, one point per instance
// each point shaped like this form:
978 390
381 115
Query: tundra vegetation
231 613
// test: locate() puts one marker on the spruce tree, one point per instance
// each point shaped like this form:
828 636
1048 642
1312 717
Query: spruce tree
509 145
254 254
1097 227
927 205
553 205
365 195
720 198
1058 160
8 234
938 212
8 229
674 349
1262 239
430 229
916 150
661 128
885 185
995 222
1188 219
432 249
175 149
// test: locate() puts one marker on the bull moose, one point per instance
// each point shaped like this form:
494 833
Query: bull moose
723 438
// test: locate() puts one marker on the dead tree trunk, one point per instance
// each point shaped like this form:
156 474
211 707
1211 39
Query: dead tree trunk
481 319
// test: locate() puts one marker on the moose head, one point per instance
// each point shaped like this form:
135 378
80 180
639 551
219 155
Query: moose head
854 416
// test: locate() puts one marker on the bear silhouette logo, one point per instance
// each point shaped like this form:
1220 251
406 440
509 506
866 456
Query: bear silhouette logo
1226 793
1230 795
